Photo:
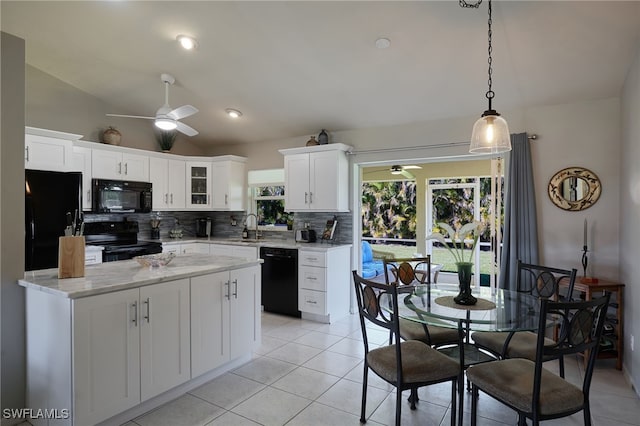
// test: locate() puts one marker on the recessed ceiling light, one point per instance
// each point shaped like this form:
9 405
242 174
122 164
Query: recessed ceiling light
233 113
383 43
189 43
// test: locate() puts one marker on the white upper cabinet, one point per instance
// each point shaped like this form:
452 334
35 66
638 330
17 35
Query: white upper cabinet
48 150
82 163
119 165
168 178
198 188
228 183
317 178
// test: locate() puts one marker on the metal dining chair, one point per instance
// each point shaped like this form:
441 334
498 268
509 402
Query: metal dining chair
544 283
406 274
407 365
533 391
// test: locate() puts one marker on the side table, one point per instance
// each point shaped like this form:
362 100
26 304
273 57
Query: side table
613 336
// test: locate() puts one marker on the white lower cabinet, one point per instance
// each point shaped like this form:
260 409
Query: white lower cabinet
224 320
106 356
129 346
102 355
324 283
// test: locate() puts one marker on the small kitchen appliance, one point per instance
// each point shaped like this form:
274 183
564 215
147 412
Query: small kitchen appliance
305 236
203 227
115 196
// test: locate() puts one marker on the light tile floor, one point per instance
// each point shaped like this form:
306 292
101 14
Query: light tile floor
306 373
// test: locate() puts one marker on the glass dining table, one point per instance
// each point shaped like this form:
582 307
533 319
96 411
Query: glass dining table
496 310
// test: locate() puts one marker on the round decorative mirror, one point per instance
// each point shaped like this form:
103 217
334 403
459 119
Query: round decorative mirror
574 188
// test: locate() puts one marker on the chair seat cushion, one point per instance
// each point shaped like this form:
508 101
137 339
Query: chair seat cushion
522 345
511 381
411 330
420 363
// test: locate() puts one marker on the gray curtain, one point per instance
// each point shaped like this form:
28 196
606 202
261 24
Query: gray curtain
520 236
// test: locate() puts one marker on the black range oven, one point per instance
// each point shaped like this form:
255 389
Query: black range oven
119 239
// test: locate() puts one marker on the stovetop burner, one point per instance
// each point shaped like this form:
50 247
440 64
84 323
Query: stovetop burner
119 239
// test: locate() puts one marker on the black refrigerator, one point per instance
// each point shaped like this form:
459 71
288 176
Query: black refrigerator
49 196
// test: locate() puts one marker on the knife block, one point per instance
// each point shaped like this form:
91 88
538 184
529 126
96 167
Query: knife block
71 257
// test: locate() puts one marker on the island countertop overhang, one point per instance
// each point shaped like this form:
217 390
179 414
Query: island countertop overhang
121 275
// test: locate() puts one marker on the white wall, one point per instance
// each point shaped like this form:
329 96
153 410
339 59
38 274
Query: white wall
585 135
630 216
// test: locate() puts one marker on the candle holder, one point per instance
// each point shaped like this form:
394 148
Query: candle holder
585 261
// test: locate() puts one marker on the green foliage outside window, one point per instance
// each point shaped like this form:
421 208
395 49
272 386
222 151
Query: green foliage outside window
389 209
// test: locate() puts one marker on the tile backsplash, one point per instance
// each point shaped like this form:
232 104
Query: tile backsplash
221 224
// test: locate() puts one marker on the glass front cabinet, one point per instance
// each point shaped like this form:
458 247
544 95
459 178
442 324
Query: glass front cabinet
199 185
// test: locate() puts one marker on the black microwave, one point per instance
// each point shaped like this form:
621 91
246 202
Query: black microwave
117 196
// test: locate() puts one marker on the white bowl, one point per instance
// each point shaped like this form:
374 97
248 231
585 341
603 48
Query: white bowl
155 260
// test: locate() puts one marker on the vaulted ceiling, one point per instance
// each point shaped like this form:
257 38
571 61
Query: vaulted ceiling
294 68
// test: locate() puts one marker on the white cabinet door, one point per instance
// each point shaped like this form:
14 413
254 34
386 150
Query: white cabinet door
135 167
220 185
158 174
209 322
176 184
228 184
82 163
164 337
168 179
324 181
106 355
245 300
296 176
45 153
106 164
198 188
109 164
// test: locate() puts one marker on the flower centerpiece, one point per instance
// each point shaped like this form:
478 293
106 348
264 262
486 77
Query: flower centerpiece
461 237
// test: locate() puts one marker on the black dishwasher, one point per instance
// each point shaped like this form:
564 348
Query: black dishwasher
280 280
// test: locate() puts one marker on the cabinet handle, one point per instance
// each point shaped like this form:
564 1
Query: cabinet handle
312 302
166 198
312 279
310 197
235 292
126 168
226 199
89 195
305 197
172 198
135 314
227 294
26 148
119 168
207 198
148 303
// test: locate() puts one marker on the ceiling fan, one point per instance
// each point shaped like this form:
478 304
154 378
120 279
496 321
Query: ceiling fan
402 170
166 117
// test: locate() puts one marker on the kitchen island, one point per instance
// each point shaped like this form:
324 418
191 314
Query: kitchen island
124 339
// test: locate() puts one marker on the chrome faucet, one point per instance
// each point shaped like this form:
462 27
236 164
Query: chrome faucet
246 220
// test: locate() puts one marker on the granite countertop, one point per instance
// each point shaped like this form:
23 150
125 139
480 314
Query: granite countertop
125 274
317 246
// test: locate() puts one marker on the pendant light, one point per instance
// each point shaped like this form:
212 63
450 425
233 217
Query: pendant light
490 133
